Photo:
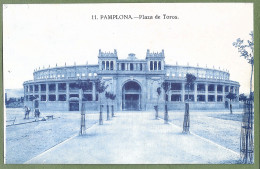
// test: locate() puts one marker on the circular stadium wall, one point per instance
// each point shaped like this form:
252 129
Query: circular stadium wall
57 88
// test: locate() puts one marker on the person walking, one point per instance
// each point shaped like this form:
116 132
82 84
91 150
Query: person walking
36 113
27 111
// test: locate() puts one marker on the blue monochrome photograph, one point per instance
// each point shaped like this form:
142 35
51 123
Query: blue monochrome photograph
129 83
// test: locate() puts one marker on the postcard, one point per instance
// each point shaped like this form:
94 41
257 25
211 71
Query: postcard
128 83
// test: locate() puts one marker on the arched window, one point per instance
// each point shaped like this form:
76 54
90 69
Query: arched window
151 65
122 66
111 65
159 65
107 65
155 65
131 66
103 65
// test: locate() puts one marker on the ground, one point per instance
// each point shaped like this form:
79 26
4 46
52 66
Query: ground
25 141
130 137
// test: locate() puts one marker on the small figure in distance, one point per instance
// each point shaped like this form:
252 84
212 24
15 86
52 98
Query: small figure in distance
36 113
27 111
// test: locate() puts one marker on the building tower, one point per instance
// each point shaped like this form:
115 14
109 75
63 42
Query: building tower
155 60
107 60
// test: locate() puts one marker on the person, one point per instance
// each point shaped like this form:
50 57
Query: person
36 113
27 111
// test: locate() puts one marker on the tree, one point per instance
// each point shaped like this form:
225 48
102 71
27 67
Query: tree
100 88
246 136
231 96
108 95
159 91
112 97
247 51
166 88
242 97
190 78
83 85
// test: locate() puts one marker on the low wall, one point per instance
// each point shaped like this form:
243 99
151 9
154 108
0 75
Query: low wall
193 105
64 106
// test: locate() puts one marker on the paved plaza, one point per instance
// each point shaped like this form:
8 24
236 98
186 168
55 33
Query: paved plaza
136 138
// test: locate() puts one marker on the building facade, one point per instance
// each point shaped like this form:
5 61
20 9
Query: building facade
134 81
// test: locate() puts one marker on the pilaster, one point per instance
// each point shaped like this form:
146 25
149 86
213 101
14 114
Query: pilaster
56 91
195 92
206 92
183 91
216 92
47 92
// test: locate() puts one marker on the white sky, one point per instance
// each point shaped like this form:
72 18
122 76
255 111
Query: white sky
43 35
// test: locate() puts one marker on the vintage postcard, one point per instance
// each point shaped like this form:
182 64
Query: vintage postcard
146 83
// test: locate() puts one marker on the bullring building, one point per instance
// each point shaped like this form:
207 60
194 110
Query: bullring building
134 81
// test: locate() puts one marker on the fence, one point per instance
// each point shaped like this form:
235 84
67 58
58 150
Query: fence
246 136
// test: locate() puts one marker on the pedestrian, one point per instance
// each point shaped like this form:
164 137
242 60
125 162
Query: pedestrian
25 111
28 112
36 113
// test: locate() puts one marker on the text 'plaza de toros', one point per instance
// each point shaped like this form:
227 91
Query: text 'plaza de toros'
134 81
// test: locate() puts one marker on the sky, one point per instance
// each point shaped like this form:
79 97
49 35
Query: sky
39 35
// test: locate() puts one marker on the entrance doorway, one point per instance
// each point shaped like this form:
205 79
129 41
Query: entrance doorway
74 106
226 104
131 97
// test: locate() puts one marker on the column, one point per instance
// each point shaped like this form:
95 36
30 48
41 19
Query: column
216 92
157 65
170 93
237 93
39 88
33 90
229 88
47 92
151 90
105 65
183 91
100 65
195 92
56 91
93 91
67 92
206 93
223 93
162 65
80 98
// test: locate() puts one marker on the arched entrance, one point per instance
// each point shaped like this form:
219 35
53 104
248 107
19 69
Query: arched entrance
131 97
74 104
